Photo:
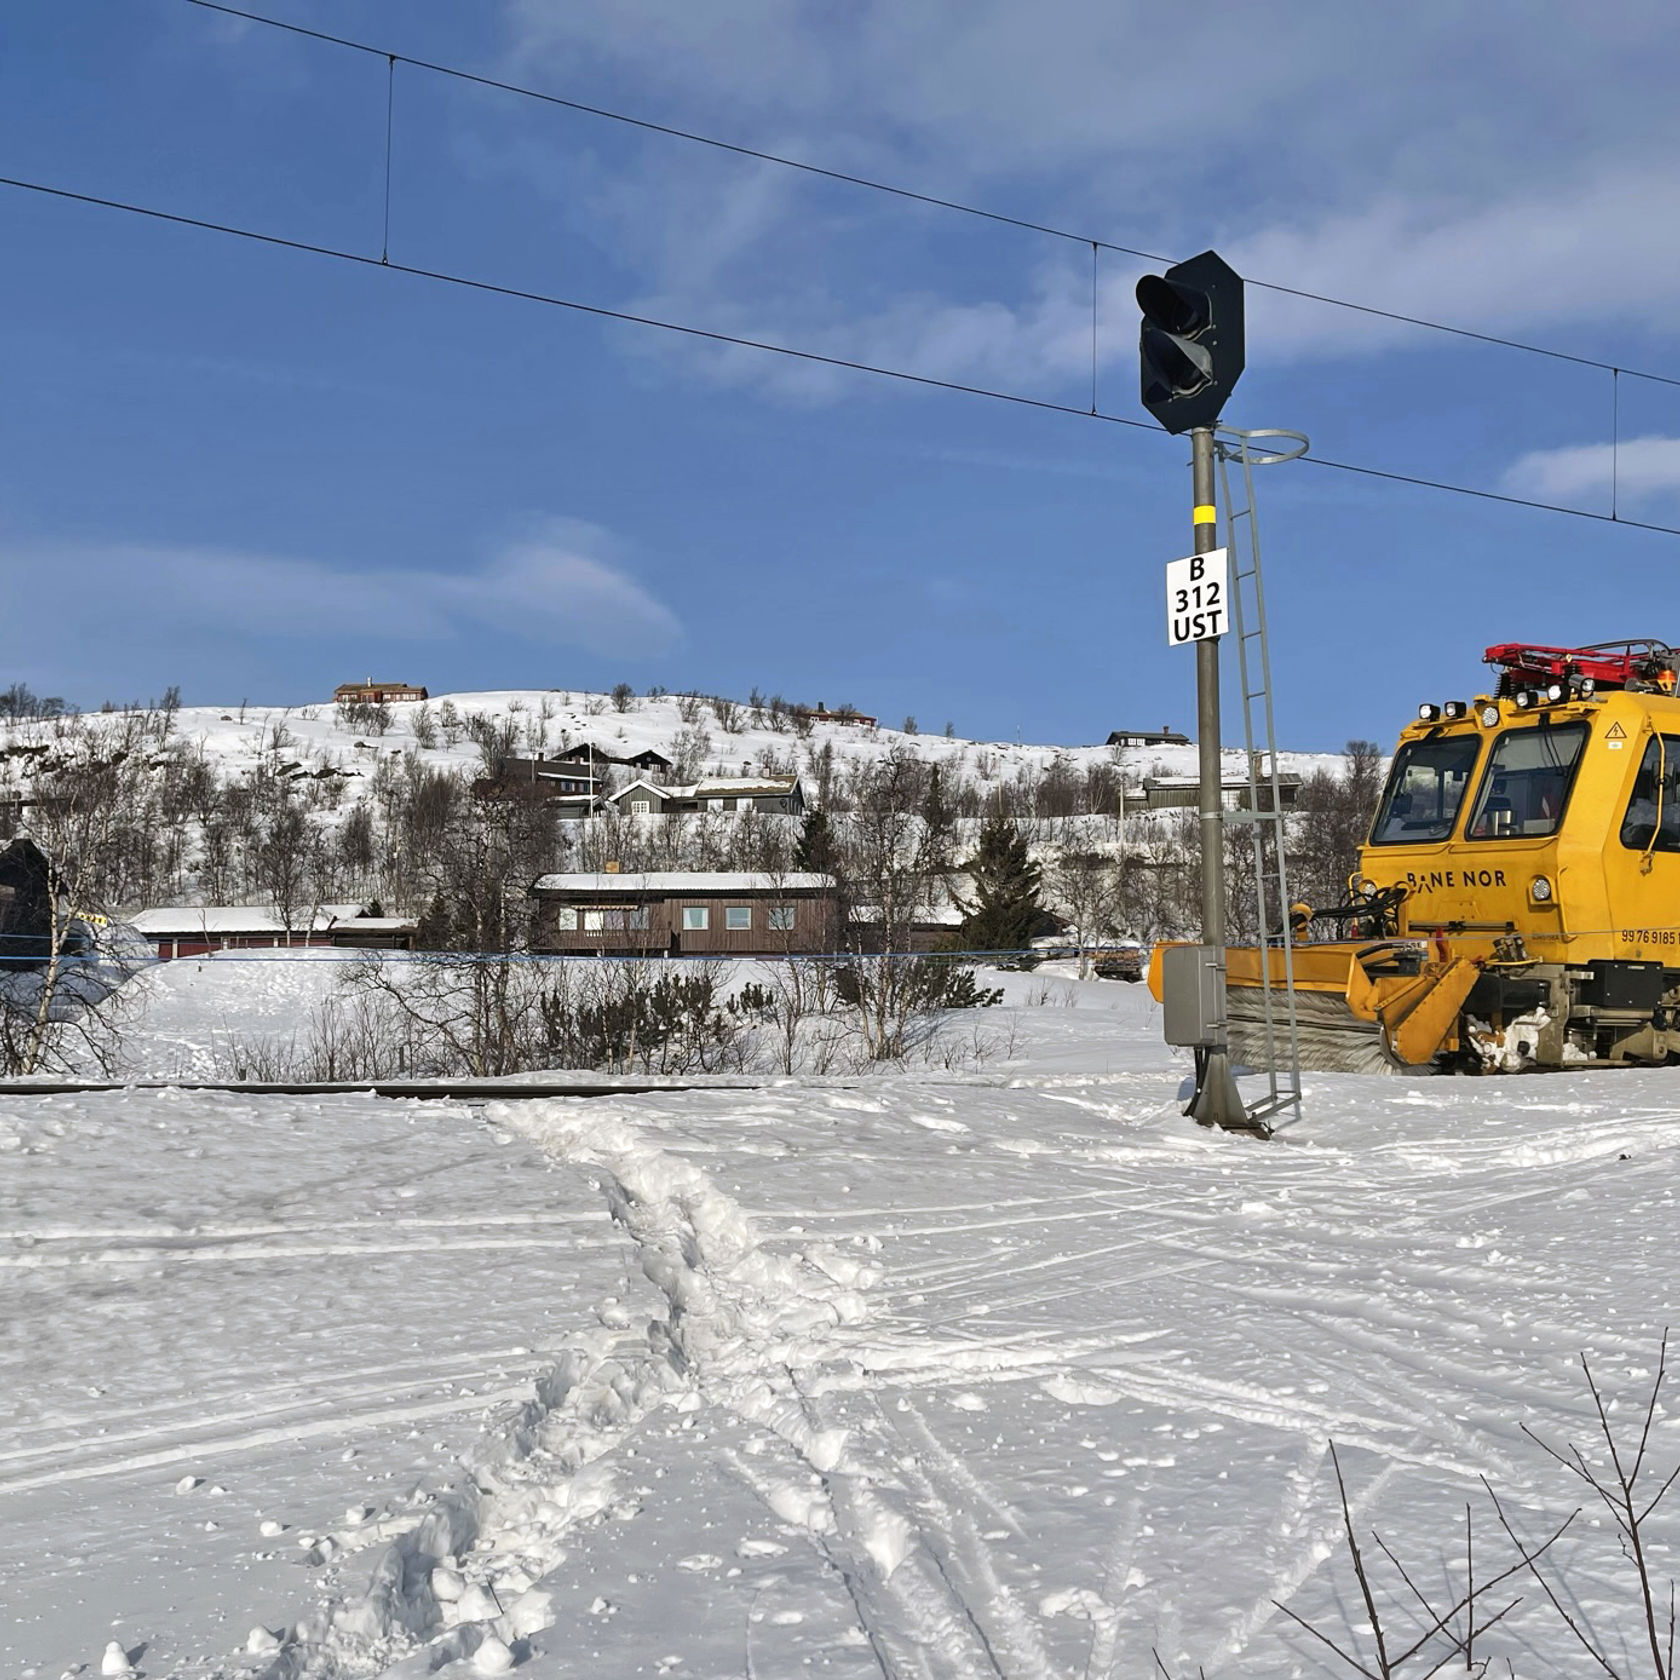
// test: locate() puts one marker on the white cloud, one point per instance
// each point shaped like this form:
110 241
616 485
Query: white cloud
1356 151
1641 466
1603 246
996 88
1034 346
1514 268
546 587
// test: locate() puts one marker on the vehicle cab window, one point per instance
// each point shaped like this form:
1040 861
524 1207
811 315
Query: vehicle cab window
1425 789
1526 784
1652 822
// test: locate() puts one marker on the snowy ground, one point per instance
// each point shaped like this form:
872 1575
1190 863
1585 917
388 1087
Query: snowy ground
1016 1375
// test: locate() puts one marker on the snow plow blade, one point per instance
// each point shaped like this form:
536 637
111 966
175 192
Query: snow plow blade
1370 1007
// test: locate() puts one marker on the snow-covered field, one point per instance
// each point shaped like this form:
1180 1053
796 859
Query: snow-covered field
1016 1374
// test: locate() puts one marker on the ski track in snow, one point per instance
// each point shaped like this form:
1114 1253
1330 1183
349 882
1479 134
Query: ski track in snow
768 1339
801 1344
1065 1400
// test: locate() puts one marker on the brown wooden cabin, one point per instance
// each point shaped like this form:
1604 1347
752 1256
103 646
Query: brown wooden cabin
371 693
819 713
684 914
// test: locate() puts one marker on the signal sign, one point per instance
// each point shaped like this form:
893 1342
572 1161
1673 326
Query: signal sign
1198 597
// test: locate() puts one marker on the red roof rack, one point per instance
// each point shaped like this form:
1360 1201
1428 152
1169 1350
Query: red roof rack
1640 662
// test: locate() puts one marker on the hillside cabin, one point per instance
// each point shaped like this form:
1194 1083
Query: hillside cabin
1175 793
198 930
563 780
647 762
775 795
371 693
684 914
1162 737
819 713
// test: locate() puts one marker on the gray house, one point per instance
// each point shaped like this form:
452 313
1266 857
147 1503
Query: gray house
776 795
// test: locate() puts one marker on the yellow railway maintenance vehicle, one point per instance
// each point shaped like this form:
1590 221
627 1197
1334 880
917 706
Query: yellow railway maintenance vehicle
1517 903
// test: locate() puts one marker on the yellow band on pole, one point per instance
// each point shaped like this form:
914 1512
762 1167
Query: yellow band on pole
1204 515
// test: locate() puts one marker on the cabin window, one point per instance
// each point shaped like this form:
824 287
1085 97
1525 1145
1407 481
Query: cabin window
737 918
594 921
565 918
696 918
1526 784
1652 822
640 807
781 918
1425 789
639 918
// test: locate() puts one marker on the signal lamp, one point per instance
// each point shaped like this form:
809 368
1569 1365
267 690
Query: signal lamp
1554 693
1454 709
1585 686
1190 343
1428 713
1490 717
1524 699
1540 890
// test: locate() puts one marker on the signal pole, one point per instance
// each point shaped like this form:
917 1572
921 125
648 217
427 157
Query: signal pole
1217 1101
1191 354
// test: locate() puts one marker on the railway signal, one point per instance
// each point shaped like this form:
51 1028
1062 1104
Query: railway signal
1190 355
1190 346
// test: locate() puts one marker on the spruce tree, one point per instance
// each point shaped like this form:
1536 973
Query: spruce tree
813 851
1005 914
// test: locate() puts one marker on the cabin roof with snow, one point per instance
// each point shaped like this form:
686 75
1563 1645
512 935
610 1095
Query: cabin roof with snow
183 921
714 787
674 883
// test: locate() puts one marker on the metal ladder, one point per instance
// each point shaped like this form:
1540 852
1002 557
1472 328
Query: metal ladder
1280 1028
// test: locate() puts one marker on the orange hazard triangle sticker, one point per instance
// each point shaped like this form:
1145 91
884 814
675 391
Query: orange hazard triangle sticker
1615 733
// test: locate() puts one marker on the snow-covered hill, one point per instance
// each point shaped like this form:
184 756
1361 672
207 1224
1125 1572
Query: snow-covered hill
237 739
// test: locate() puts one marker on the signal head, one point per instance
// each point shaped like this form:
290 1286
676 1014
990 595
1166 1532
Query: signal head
1190 344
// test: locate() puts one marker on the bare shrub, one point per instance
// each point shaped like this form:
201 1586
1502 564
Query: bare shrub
450 1015
690 748
899 1002
1408 1632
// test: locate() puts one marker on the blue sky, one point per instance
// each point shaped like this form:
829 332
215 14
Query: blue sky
255 473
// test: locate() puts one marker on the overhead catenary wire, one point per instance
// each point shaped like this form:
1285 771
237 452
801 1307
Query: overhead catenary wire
713 335
932 200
